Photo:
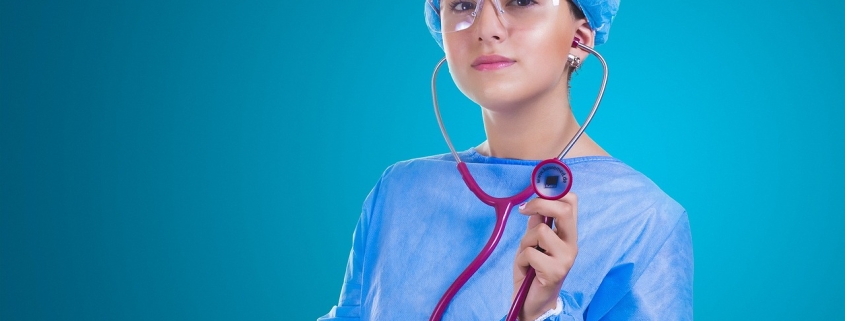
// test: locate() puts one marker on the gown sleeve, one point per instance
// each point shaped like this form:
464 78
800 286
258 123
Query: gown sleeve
348 307
664 289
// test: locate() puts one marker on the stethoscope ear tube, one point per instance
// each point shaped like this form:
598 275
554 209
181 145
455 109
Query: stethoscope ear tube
577 43
437 110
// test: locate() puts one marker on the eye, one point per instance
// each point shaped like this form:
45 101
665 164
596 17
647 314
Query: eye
522 3
460 6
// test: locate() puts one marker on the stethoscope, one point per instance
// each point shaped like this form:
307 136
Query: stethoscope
551 179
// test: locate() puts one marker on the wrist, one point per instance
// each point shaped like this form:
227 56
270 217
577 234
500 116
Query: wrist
555 308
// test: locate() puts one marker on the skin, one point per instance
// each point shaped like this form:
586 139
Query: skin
526 113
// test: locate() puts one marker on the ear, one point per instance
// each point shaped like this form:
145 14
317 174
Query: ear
587 36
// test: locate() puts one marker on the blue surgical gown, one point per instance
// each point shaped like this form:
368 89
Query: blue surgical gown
421 226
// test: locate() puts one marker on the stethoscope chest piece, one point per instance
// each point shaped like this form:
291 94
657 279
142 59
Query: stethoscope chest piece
551 179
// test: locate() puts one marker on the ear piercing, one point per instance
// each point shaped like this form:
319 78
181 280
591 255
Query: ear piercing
574 61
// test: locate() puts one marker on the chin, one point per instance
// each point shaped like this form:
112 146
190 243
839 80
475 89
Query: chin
505 89
498 96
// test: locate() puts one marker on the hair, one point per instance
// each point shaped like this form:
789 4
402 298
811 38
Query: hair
577 14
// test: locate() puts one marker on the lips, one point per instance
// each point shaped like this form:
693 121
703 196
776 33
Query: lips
492 62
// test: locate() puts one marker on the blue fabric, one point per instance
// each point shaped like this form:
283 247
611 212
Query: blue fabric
421 226
599 13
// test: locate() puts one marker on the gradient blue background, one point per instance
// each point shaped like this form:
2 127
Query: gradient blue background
207 160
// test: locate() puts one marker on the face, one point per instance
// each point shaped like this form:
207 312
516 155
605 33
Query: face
502 64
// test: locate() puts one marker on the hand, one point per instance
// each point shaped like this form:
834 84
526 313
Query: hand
552 262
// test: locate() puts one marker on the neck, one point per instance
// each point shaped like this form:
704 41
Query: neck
540 129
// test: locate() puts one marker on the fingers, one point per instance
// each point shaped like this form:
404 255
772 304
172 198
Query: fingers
550 270
559 246
534 220
564 211
533 258
543 236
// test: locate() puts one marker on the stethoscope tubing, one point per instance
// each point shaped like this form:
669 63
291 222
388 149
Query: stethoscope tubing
600 95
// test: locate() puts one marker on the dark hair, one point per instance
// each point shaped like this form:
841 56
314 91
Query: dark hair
577 14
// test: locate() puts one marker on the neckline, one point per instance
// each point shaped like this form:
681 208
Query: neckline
473 156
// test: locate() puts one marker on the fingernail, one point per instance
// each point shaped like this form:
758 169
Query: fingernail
522 206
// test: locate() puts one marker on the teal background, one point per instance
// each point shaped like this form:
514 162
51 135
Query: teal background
207 160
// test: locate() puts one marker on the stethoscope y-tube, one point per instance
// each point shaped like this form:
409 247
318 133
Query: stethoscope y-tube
551 179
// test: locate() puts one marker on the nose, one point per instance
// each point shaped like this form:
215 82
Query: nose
489 25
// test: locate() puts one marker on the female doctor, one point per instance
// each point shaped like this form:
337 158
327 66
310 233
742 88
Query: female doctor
619 248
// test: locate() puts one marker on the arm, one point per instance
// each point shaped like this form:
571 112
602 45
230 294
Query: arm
556 314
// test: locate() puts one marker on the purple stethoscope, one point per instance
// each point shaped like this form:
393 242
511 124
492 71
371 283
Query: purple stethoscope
551 179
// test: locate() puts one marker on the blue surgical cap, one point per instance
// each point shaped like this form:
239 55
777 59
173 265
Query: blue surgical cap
599 15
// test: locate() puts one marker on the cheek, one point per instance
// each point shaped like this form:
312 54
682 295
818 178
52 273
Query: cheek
551 41
459 57
456 46
544 52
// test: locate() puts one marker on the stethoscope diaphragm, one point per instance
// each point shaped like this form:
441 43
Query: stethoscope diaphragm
551 179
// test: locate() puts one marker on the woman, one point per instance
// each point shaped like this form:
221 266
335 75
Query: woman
620 247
